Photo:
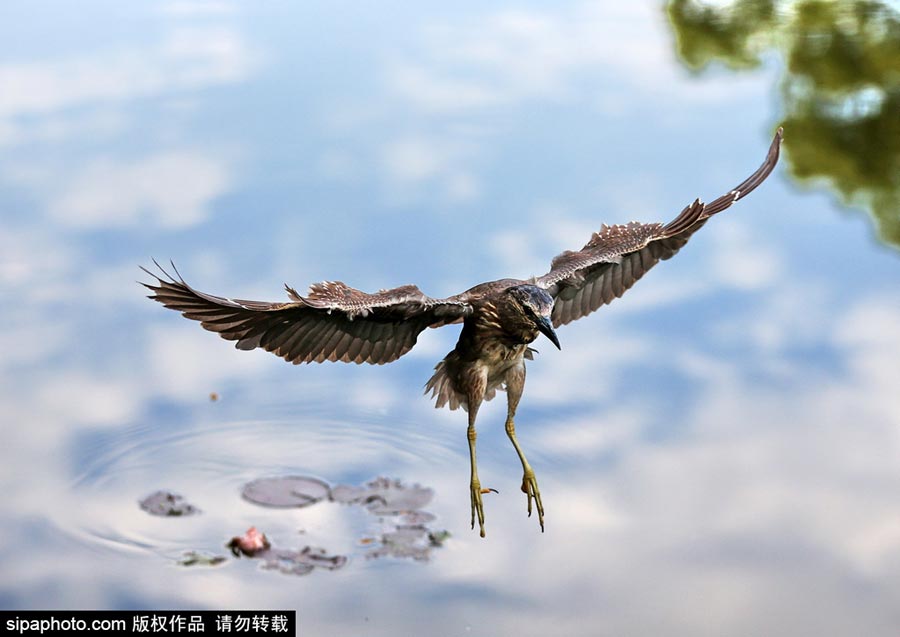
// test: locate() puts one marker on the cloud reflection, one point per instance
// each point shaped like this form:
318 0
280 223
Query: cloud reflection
185 59
172 189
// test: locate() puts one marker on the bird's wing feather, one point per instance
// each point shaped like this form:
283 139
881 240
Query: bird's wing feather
333 323
617 256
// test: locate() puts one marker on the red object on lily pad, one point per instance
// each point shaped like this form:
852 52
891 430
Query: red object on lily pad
250 543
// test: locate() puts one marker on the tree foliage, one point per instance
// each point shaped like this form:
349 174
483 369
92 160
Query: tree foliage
840 88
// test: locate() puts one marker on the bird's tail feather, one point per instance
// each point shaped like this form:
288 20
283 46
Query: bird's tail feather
442 390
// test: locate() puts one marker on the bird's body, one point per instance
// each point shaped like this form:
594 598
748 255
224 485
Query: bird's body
494 339
335 322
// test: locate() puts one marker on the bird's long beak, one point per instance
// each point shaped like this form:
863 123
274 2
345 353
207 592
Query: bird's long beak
546 328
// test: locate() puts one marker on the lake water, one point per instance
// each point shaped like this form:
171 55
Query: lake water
718 451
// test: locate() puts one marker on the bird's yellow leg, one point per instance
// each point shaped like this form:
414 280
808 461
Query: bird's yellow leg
529 481
474 485
515 385
474 402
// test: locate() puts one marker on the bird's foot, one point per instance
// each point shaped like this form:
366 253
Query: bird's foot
530 488
477 507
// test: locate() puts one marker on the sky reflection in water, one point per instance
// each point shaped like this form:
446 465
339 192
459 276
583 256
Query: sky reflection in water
718 450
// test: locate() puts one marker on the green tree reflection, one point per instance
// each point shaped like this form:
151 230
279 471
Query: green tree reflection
840 89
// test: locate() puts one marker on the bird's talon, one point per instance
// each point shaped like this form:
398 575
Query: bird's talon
477 506
530 488
489 490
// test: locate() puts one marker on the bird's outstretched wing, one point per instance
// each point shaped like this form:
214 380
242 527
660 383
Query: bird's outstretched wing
617 256
333 323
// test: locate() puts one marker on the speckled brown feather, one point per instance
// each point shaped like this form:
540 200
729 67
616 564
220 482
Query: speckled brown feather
334 323
617 256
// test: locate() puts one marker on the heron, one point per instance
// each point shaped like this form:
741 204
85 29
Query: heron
500 319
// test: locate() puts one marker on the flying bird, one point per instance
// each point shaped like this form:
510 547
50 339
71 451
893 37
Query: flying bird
335 322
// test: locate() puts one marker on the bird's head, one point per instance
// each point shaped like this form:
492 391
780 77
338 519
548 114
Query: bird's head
535 305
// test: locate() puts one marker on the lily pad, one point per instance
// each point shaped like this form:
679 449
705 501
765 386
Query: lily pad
390 497
437 538
286 491
347 494
194 558
383 496
167 504
409 542
412 518
302 562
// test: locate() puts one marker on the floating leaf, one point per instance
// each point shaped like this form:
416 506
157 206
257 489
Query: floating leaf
437 538
390 497
286 491
383 496
415 542
412 518
347 494
303 561
166 504
193 558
